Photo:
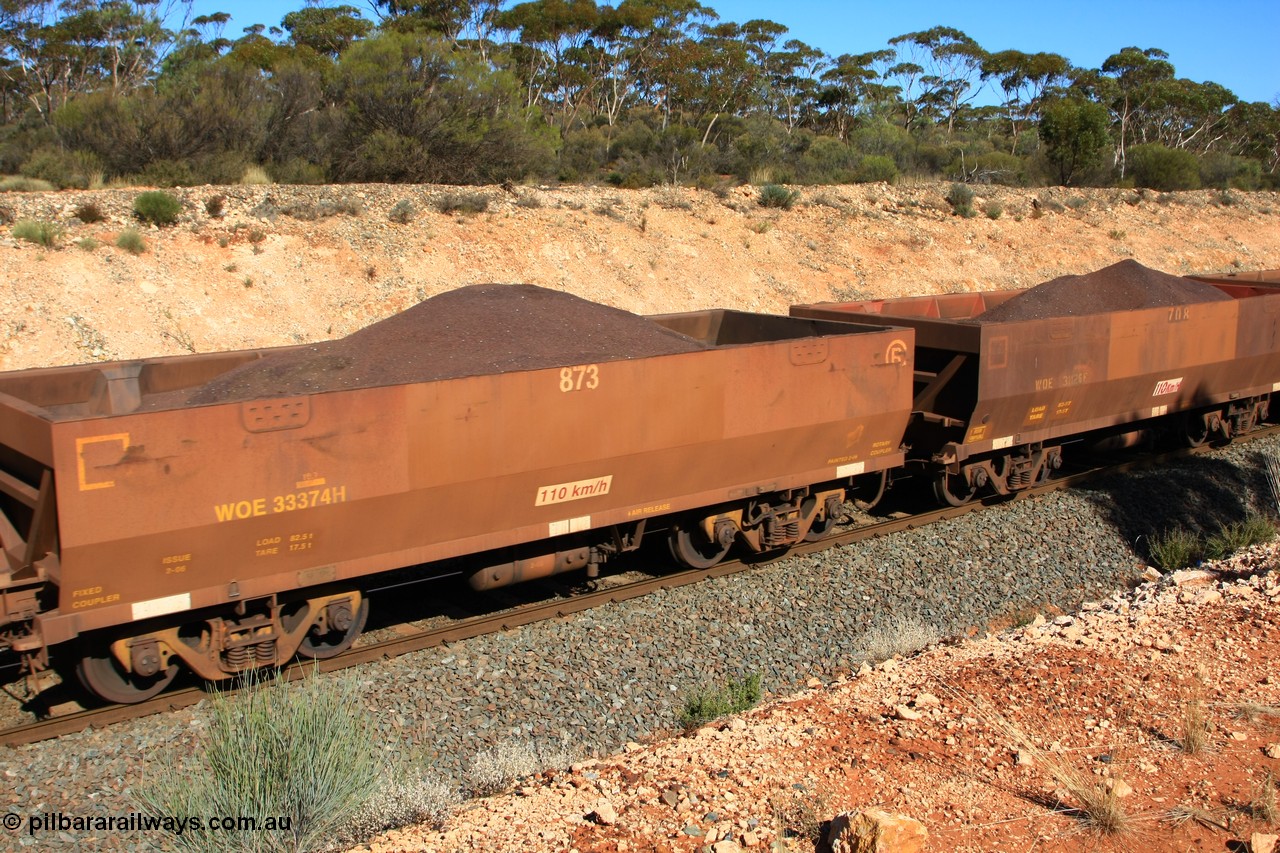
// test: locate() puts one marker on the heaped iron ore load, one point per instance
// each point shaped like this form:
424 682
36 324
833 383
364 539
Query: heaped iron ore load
222 512
1003 377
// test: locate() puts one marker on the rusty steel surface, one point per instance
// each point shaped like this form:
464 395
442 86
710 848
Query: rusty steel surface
1003 384
161 512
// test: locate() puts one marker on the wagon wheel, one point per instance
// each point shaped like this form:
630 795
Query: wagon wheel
1195 432
690 546
952 489
335 641
820 529
101 673
867 491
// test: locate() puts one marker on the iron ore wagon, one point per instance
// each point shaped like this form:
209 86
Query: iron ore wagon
222 511
1002 378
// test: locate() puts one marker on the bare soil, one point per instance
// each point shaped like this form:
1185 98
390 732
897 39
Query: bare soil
281 266
965 738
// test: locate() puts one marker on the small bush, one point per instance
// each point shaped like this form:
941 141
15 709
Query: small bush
255 176
344 205
157 208
876 168
256 235
704 704
1231 537
215 205
994 210
494 770
960 195
465 203
1076 202
669 198
1162 168
530 201
89 213
301 751
1175 549
774 195
903 635
1117 234
38 231
403 797
6 215
20 184
801 815
131 241
88 244
403 212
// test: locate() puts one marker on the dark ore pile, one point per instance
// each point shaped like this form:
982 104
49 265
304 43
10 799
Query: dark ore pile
475 330
1126 286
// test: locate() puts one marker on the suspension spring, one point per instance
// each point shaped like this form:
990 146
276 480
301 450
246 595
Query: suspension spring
265 651
239 657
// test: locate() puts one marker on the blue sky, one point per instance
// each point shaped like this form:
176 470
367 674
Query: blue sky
1230 42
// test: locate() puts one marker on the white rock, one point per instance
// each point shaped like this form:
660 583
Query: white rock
605 814
876 831
1262 843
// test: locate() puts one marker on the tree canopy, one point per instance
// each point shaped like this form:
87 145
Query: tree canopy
634 92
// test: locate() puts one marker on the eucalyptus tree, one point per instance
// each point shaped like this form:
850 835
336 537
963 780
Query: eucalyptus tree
1025 79
938 72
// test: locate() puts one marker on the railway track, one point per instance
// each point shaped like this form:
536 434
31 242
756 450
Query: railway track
525 614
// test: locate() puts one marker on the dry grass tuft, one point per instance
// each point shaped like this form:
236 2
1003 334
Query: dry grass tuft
1089 797
1264 806
1182 814
1194 718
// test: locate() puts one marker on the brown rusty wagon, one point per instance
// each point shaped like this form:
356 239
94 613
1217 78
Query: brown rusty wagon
1003 377
225 511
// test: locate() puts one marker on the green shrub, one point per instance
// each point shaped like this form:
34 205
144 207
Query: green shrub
19 184
1162 168
465 203
993 210
77 169
89 213
703 705
773 195
1227 171
88 244
403 212
131 241
301 752
960 197
876 168
157 208
1176 549
214 205
1235 535
38 231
